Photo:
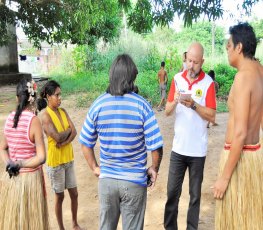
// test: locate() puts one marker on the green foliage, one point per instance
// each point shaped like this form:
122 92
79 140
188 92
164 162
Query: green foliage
140 19
88 86
84 21
201 32
7 18
79 22
221 106
258 28
224 76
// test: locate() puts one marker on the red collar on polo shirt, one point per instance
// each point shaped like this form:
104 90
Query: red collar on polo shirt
199 78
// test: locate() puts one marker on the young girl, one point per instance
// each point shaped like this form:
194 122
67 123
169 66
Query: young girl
60 132
23 203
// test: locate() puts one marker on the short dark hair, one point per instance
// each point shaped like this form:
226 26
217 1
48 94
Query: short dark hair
244 33
162 64
123 73
211 73
48 89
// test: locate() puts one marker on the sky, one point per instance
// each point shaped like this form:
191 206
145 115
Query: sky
230 7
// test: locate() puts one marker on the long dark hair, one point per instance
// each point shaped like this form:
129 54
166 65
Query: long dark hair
244 33
48 89
123 73
23 95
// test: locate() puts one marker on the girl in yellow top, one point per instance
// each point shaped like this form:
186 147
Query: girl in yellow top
60 132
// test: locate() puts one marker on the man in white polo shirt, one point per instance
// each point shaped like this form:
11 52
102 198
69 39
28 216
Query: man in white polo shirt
192 97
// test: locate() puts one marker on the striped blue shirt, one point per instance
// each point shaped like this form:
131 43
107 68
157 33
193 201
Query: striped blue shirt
127 129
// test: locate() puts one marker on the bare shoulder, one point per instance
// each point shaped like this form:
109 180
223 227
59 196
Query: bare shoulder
36 123
64 111
44 116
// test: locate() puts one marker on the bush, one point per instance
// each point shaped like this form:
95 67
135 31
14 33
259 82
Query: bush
224 76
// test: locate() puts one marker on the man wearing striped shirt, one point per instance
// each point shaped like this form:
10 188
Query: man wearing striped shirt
126 127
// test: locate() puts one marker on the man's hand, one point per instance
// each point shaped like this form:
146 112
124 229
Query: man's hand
96 171
187 102
151 177
220 187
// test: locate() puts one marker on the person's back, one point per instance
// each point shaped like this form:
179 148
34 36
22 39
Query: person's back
162 76
126 126
23 151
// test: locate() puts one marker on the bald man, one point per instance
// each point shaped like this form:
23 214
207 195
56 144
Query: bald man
193 100
238 189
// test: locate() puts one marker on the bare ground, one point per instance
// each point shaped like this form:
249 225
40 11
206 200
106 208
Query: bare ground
87 183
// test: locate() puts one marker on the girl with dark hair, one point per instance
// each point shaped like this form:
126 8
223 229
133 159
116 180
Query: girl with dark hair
60 132
23 203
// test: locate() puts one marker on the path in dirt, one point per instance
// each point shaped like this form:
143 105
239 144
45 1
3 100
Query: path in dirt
87 183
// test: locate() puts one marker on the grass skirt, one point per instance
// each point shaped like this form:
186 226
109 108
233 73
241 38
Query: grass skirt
242 205
23 204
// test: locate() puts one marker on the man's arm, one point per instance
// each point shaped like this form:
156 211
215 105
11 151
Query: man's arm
241 109
172 99
51 130
152 171
165 77
90 158
205 112
170 107
158 77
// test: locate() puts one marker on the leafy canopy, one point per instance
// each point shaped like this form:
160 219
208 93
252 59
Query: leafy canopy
146 13
56 21
84 21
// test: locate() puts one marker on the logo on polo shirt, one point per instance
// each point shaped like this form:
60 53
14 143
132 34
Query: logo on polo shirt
198 93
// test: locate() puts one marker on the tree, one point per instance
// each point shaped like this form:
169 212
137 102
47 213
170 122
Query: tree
202 32
56 21
83 21
146 13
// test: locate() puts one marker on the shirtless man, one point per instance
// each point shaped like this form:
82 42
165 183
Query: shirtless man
162 78
239 189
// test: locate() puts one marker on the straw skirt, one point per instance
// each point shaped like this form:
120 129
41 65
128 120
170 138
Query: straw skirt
242 205
23 204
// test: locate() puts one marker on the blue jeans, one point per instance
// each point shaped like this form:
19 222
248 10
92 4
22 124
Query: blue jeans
121 197
178 166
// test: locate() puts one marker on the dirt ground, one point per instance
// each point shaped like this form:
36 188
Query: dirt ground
87 183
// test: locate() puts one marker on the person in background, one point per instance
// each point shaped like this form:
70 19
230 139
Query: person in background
190 139
23 202
162 79
238 189
60 132
184 66
127 129
211 73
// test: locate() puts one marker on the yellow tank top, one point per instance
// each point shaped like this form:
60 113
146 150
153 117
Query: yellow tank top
57 156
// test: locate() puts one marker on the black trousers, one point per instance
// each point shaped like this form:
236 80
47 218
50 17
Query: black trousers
177 169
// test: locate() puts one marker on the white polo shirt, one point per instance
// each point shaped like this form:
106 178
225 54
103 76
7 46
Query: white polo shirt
190 130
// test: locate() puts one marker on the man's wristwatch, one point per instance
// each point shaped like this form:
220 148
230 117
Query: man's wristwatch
193 107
